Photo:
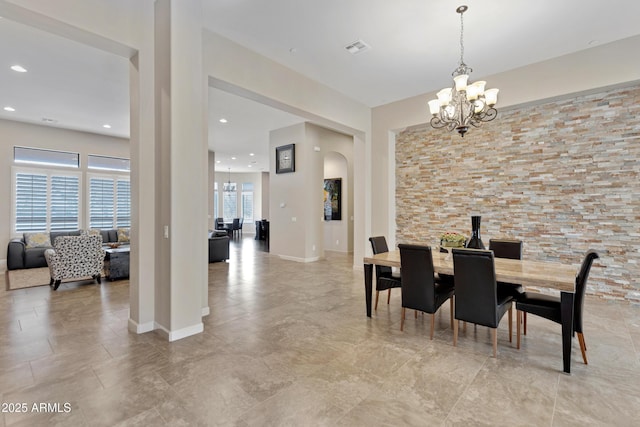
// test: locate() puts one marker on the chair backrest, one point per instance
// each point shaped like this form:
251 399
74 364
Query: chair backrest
76 256
379 246
236 224
476 289
219 223
506 248
418 285
581 285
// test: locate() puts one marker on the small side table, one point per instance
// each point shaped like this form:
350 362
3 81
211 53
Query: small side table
116 263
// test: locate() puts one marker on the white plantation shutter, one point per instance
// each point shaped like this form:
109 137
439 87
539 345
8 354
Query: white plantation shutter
247 201
123 203
31 202
46 201
65 203
109 202
229 201
101 202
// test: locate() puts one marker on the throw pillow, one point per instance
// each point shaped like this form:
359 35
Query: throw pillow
123 235
37 240
92 232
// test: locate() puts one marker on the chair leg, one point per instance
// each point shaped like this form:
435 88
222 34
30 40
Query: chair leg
415 314
98 279
583 347
524 322
494 334
433 323
455 333
451 310
510 323
389 296
377 295
518 319
402 319
56 284
51 282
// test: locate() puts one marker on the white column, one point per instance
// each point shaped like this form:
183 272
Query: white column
181 169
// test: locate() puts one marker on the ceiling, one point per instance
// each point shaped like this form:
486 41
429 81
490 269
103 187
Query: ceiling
414 46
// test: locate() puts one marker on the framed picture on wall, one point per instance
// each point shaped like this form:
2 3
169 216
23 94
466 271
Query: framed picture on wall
286 158
333 199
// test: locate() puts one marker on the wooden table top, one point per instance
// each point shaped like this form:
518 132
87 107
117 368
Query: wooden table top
541 274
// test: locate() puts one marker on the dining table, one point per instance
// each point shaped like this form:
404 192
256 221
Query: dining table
539 274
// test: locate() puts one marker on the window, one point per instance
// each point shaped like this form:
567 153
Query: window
247 201
46 200
215 200
37 156
109 202
229 200
108 163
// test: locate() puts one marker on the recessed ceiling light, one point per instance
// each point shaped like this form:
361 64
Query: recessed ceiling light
223 120
251 154
106 126
249 165
218 161
7 108
19 68
233 158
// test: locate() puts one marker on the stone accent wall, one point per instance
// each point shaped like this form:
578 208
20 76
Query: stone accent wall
563 176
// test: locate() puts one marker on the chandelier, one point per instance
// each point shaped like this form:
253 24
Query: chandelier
464 103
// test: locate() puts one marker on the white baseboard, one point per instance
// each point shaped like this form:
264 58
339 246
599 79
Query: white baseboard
205 311
296 259
140 328
186 332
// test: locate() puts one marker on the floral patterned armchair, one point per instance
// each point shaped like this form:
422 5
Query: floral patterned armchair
74 257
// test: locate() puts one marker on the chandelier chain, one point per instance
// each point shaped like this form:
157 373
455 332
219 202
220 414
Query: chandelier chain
461 38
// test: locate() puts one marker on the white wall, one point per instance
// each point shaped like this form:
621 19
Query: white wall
297 228
49 138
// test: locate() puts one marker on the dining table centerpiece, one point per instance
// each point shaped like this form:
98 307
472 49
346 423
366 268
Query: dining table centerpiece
452 239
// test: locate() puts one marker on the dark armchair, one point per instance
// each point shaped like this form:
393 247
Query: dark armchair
477 300
549 306
420 291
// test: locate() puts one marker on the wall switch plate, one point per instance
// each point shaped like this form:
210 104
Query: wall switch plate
166 231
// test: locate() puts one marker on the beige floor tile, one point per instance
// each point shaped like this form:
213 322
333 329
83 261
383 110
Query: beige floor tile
286 343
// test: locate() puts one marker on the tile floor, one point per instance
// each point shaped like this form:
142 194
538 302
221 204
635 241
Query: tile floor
288 344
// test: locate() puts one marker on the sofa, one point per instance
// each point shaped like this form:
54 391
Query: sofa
28 251
218 246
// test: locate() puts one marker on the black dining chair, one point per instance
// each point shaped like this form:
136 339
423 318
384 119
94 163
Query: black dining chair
235 227
548 306
509 249
385 277
420 291
476 293
219 223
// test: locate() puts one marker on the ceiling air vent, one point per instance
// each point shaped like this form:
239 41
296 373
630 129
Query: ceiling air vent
357 47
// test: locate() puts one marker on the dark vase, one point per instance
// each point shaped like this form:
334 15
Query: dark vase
475 242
